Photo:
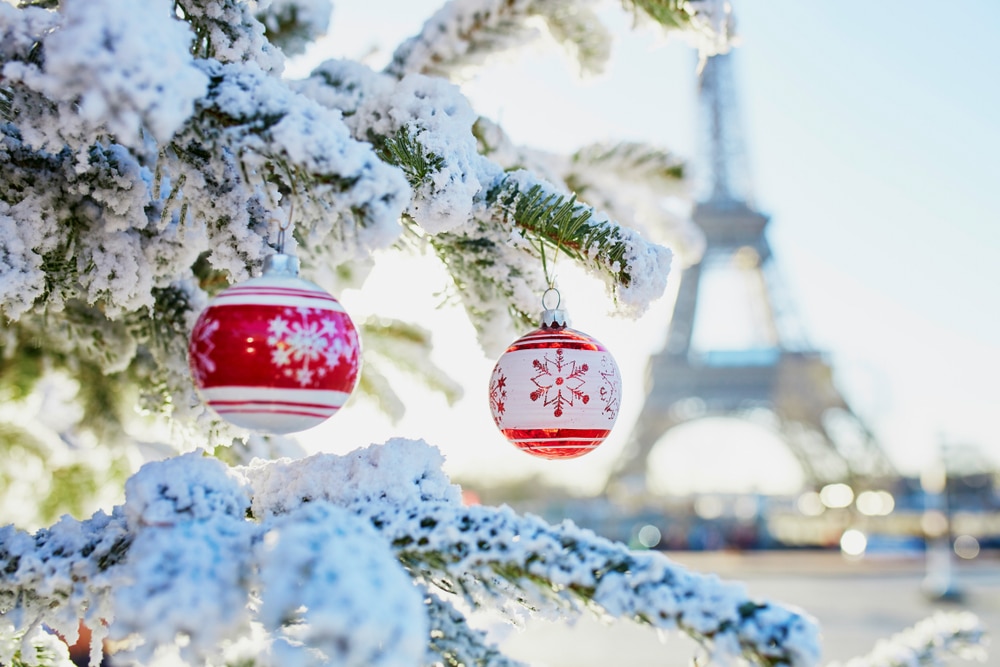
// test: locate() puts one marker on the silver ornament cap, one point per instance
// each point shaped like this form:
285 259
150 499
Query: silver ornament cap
554 316
280 264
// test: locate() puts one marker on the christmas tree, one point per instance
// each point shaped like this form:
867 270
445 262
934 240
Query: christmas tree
153 155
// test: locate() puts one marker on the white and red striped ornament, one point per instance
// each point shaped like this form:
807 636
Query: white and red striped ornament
555 393
275 354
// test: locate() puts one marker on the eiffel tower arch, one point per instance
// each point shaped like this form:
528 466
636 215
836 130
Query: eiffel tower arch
733 348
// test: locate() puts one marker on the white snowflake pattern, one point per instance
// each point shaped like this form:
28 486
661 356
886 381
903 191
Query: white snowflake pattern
303 336
202 348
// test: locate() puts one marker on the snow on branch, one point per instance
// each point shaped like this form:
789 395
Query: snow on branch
294 24
485 553
479 218
634 269
463 33
279 136
958 634
325 568
110 65
228 31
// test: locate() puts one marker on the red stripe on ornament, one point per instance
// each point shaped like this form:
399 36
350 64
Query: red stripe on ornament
569 339
277 291
272 410
264 402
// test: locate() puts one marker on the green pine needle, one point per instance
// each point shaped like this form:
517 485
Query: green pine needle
563 224
668 13
634 161
403 150
580 33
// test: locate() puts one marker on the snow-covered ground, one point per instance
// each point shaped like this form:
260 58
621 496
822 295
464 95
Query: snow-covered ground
856 604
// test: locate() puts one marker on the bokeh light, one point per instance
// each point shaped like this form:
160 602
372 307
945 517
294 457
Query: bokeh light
810 504
966 546
875 503
649 536
853 543
836 496
934 523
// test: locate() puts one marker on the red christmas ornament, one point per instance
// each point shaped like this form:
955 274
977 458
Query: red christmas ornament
555 392
276 353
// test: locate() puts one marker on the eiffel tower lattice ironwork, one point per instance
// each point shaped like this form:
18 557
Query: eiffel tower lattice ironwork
772 369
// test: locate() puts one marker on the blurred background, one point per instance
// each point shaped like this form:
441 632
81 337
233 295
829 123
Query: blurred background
833 354
812 406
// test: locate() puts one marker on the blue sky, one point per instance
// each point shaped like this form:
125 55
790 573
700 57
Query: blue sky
872 137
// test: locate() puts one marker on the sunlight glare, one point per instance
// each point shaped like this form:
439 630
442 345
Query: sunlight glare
686 460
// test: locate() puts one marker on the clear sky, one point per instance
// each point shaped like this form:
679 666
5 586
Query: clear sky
872 133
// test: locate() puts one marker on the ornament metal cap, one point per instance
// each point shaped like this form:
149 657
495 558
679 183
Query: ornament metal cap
280 264
553 317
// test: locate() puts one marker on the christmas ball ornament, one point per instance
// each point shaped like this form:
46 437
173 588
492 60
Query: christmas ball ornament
555 392
276 354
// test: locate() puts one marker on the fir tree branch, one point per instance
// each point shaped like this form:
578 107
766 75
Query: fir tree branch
580 571
668 13
245 112
579 32
475 259
454 644
293 26
407 347
633 161
561 223
480 30
403 150
929 642
42 4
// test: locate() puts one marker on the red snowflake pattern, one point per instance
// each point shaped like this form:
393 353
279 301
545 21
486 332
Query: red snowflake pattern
559 382
610 387
498 393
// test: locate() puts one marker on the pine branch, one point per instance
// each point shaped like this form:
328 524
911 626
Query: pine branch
579 32
404 151
478 32
292 26
560 223
42 4
487 278
242 111
929 642
668 13
454 644
633 161
577 571
221 28
407 347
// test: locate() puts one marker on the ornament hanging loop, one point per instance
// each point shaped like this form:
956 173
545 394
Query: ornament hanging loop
548 293
280 264
283 226
553 316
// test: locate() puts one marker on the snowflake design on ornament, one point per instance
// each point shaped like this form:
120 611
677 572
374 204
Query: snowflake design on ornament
306 347
498 392
202 348
559 381
609 389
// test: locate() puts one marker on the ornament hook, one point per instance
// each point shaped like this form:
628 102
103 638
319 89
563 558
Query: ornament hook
553 316
280 264
283 226
547 293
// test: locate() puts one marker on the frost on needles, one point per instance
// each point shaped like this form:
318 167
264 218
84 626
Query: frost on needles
348 560
149 152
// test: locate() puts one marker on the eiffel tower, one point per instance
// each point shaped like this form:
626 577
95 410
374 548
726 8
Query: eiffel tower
759 364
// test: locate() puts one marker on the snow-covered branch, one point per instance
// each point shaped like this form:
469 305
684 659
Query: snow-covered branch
323 564
929 642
